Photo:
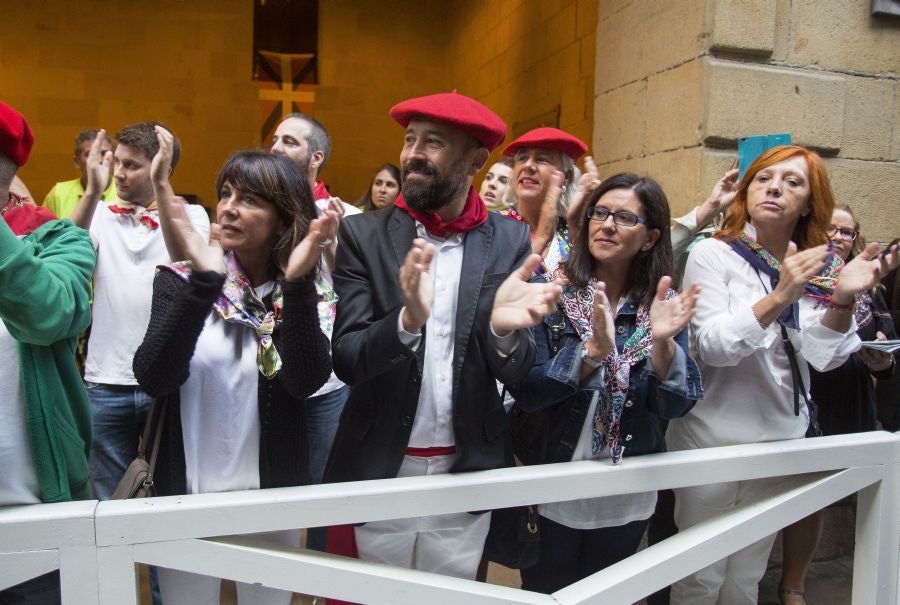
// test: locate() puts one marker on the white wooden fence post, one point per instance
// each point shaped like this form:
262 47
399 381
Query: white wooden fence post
78 575
117 575
877 553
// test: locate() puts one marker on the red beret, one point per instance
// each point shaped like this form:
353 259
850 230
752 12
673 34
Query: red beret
456 110
549 138
16 137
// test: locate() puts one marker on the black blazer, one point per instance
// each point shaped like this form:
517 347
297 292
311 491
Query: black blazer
385 375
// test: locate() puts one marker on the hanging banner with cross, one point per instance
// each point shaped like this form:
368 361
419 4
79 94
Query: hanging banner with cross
286 84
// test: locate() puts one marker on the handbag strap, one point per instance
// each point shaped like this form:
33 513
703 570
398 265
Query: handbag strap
156 440
157 437
148 425
796 378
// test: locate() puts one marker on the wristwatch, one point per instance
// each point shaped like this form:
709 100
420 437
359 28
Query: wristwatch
586 358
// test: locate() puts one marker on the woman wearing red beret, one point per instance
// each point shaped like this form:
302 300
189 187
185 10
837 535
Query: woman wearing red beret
544 159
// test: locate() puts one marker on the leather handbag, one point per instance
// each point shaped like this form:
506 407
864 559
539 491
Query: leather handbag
514 538
137 482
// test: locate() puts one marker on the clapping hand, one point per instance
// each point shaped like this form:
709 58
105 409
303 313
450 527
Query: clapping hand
603 335
542 233
98 164
161 165
719 199
865 271
668 317
796 271
204 256
417 286
588 181
521 304
307 253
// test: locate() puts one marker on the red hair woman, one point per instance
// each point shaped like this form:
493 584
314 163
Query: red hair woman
768 276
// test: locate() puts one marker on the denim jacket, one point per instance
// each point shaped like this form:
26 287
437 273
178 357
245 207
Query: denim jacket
554 392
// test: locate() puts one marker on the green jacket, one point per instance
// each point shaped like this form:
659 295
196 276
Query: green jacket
45 282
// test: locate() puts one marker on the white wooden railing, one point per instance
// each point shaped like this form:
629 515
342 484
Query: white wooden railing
96 545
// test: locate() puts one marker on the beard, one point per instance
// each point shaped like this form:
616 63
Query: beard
431 194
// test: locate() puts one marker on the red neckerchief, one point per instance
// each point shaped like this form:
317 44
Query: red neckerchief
145 218
24 217
320 192
472 216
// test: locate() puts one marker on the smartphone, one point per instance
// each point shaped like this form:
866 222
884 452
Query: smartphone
750 148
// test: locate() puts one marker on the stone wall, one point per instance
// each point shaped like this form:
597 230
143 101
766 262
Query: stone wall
672 101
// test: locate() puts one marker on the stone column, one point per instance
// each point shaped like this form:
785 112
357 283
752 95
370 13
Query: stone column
678 82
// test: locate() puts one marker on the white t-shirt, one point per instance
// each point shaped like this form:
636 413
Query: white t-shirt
128 252
18 482
220 407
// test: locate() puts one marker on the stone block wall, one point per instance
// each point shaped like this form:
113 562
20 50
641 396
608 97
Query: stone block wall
825 71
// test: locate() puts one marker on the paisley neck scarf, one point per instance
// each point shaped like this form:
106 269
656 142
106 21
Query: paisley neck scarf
819 287
578 305
238 303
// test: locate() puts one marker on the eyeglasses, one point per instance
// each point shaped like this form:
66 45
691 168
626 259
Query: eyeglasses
623 219
846 234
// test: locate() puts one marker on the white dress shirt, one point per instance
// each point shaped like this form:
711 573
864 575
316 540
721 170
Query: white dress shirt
433 424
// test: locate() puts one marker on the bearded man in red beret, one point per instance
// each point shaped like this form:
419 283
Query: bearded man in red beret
45 277
433 308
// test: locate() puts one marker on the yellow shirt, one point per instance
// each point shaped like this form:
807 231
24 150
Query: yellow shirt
64 196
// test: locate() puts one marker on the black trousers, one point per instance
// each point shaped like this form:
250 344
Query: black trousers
42 590
568 555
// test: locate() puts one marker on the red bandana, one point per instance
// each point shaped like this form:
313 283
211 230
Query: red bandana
472 216
144 218
320 192
24 217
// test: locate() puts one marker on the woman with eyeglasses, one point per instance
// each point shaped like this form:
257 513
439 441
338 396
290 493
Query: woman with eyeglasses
767 276
611 361
845 395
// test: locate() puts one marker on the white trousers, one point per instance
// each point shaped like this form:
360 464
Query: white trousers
450 545
733 580
184 588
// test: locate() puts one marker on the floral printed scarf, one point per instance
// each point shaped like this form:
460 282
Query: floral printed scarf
578 305
238 303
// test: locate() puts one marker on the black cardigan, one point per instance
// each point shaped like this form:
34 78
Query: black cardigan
161 366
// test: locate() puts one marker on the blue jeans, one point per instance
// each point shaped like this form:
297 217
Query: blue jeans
323 414
118 412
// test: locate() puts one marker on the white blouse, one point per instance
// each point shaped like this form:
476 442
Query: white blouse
220 408
746 373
